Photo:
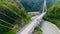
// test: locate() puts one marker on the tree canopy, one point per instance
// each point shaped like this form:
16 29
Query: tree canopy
53 15
12 13
36 5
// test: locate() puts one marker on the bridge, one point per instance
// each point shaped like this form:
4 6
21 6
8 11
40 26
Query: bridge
47 27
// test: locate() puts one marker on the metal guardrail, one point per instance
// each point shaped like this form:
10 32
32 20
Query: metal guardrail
29 29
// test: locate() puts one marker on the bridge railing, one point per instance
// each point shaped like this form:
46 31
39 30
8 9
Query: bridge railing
29 29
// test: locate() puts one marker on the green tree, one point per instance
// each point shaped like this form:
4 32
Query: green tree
12 13
53 15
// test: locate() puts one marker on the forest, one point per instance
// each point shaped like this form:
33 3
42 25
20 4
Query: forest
14 14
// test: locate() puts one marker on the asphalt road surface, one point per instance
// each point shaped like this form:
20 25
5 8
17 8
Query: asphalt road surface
49 28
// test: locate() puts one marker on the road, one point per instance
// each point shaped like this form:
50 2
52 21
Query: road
49 28
30 27
27 24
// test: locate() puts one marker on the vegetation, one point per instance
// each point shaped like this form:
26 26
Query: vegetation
38 30
11 14
36 5
53 14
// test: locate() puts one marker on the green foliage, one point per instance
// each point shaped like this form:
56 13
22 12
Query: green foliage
53 15
10 14
38 30
11 32
3 29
